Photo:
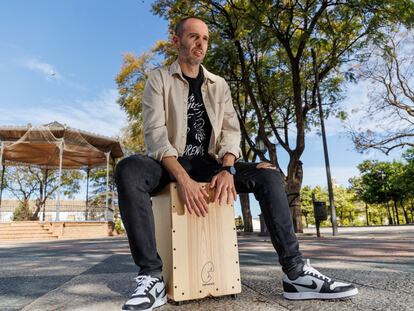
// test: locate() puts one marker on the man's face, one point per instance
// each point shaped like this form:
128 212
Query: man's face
193 42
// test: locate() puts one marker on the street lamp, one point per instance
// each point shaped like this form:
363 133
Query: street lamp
325 149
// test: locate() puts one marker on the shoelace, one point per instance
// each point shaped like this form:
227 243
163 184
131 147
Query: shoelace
144 282
308 269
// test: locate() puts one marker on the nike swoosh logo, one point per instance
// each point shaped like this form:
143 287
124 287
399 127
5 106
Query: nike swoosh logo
158 294
310 286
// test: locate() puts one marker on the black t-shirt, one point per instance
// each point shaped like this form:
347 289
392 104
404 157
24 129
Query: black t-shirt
198 123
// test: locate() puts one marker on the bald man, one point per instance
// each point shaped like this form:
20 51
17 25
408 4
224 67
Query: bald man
192 135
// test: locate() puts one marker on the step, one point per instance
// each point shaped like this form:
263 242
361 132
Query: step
21 225
26 234
24 230
27 238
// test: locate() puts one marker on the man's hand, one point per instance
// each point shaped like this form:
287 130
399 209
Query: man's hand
225 190
190 192
193 196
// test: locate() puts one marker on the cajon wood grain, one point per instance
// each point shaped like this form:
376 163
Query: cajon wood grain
200 254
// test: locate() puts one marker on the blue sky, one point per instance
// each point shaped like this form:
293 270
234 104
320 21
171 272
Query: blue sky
59 59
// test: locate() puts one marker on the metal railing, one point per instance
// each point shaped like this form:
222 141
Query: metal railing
66 213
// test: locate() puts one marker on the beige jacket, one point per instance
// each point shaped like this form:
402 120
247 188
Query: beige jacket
164 110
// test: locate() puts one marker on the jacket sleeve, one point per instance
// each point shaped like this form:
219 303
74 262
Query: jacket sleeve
154 123
230 130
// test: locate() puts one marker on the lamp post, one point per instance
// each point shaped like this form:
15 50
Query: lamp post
325 149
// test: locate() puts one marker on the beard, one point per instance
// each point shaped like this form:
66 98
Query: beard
186 56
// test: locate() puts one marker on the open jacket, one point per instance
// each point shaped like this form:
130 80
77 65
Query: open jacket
164 111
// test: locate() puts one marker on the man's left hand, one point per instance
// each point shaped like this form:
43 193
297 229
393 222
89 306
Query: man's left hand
225 190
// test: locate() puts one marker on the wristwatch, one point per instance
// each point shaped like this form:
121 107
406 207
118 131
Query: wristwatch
230 169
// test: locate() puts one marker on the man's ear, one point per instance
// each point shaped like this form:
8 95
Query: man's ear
176 41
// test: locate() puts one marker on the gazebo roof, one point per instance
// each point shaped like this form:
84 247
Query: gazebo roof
40 146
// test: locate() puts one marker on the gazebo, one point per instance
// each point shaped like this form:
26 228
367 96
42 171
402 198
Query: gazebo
57 146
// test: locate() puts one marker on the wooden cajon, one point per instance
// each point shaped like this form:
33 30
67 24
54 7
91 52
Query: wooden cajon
200 254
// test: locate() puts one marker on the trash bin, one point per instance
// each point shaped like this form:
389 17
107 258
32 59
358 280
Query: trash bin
320 211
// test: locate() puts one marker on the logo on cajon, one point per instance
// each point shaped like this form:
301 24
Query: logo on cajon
207 273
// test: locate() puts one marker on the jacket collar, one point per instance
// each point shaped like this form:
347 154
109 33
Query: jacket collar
176 69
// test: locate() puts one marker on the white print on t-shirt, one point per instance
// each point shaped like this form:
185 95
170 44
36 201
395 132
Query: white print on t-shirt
198 115
191 150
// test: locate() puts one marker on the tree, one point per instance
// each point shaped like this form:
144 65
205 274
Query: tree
348 208
307 204
264 47
382 182
390 72
99 186
360 193
346 205
131 81
42 184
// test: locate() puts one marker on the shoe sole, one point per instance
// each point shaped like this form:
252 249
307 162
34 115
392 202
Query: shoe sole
158 303
316 295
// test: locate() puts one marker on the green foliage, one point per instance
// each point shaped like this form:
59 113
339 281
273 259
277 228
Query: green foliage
22 212
131 81
239 223
383 184
349 210
98 186
40 184
118 226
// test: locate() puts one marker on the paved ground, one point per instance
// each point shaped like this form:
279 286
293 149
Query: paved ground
98 274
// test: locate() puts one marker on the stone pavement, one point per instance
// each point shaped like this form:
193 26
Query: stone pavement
98 274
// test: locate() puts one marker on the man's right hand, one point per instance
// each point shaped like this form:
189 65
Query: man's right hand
191 193
193 196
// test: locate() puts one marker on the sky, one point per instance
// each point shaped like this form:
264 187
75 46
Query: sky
59 60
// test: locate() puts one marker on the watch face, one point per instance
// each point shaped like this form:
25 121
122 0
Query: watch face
232 170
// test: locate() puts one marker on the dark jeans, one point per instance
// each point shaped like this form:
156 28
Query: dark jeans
140 177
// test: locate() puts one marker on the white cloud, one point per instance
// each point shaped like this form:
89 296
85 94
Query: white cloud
101 115
47 70
50 73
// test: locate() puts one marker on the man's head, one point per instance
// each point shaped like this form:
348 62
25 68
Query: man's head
191 40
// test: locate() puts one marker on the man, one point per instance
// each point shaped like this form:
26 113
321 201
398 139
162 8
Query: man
192 134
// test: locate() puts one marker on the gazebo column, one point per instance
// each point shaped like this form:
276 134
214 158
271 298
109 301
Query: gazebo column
88 171
61 147
107 154
2 171
46 173
113 187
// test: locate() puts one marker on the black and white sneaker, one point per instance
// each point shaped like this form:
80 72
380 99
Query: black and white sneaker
311 284
149 294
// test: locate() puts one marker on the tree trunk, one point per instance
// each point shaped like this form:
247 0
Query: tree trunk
390 222
247 215
366 213
294 184
35 215
306 214
351 220
396 211
407 219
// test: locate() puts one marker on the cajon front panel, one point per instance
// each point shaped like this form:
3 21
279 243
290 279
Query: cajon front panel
200 254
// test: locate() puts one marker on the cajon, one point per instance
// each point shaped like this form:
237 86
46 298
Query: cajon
200 254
